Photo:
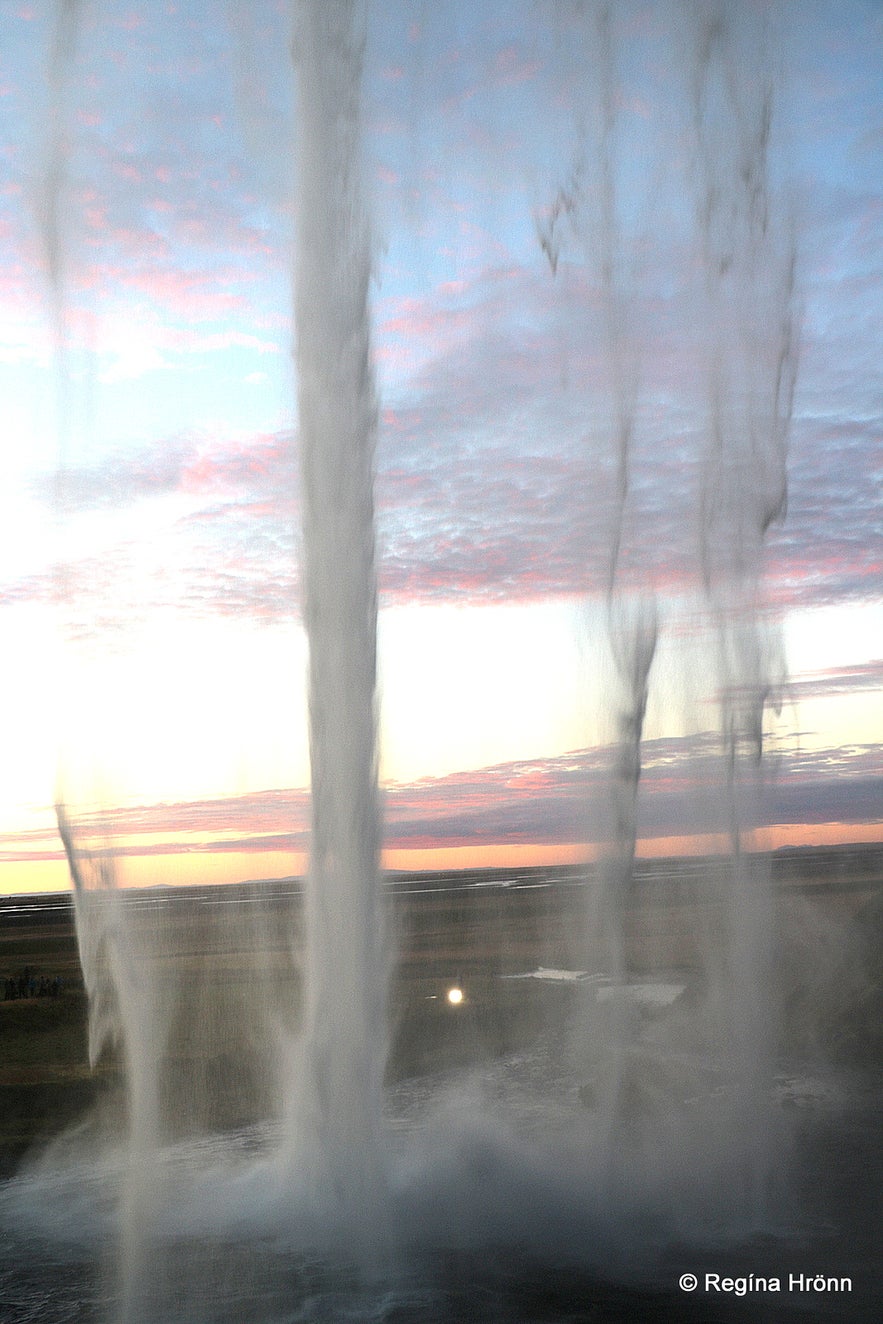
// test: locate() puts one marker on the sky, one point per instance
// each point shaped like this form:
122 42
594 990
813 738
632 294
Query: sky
605 249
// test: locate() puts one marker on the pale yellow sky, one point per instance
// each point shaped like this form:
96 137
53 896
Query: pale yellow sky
197 710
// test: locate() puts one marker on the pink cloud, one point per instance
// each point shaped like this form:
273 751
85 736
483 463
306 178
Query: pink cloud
246 467
130 173
509 67
553 800
635 105
417 318
866 677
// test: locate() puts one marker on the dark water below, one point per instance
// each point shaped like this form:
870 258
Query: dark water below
229 1253
493 1219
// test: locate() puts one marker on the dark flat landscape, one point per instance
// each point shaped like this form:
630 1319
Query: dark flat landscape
225 966
228 948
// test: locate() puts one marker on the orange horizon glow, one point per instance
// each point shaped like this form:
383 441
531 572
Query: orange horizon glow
202 868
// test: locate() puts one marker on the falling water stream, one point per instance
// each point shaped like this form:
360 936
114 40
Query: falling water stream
345 1031
623 1130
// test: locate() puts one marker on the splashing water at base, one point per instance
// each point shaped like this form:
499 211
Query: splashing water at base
563 1126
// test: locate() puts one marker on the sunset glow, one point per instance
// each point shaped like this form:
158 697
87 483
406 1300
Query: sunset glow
153 653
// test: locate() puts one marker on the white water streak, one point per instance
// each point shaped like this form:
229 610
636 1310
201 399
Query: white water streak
346 960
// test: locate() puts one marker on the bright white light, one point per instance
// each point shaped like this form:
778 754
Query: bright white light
455 996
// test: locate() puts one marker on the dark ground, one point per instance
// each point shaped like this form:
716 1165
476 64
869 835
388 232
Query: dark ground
471 929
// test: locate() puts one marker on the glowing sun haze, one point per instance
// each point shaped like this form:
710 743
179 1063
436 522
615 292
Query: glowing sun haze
152 655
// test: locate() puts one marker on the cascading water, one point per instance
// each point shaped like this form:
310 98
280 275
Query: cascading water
123 1015
263 1167
741 285
346 965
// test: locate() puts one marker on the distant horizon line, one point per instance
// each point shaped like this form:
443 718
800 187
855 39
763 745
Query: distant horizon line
647 865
